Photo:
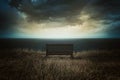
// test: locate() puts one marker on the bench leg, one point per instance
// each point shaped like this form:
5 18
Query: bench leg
72 56
46 55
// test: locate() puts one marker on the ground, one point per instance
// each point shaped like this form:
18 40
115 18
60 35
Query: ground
25 64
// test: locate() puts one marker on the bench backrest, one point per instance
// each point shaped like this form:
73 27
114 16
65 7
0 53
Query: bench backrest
59 49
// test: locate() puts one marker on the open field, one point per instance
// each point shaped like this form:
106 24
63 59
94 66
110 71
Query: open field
24 64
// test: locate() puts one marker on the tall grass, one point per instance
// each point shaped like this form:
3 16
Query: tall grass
24 64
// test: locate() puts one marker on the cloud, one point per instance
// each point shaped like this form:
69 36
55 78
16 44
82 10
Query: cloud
108 12
8 17
98 16
91 18
45 9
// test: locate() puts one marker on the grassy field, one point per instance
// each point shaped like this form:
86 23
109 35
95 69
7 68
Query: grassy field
24 64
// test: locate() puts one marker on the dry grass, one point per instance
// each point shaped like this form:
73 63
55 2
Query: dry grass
24 64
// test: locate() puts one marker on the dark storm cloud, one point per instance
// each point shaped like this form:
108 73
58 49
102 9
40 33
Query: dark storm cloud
8 17
112 14
106 10
69 9
109 12
44 9
103 9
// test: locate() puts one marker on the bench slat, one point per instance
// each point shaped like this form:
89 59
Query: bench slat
59 49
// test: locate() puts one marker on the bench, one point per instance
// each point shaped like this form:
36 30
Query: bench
59 49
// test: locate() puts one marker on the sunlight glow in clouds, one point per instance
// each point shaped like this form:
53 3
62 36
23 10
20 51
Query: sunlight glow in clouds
61 29
60 19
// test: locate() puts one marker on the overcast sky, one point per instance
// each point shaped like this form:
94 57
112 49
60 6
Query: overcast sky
60 19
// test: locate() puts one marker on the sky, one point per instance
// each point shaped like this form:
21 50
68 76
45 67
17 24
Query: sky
60 19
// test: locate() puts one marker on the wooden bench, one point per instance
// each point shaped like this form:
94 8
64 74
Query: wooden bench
59 49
